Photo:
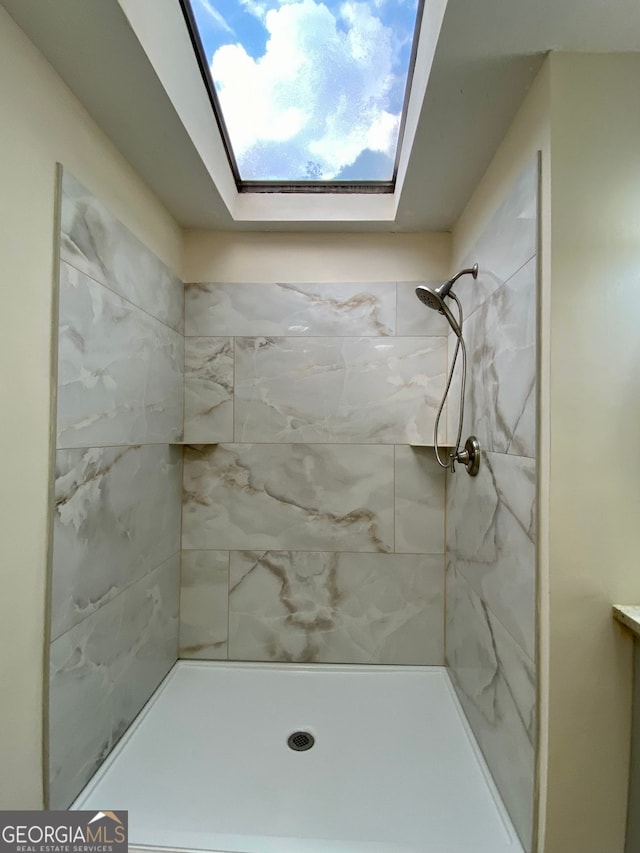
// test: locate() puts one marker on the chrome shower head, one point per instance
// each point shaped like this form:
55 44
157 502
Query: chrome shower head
434 298
431 297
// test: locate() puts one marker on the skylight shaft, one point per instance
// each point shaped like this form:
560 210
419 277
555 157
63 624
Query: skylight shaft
308 94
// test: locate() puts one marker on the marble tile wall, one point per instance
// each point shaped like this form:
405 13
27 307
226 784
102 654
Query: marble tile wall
119 369
338 389
208 389
491 521
289 496
496 683
312 530
94 242
335 607
117 516
325 363
102 672
118 487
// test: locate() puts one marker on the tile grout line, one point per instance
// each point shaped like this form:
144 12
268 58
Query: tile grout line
316 337
233 413
395 521
184 367
501 287
184 426
116 597
229 605
120 296
484 601
369 445
395 328
324 551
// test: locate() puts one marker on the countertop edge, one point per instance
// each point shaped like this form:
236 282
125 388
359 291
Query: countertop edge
629 616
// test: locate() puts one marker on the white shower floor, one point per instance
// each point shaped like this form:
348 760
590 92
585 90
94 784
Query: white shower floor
394 768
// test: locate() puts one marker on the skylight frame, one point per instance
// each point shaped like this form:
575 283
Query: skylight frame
313 187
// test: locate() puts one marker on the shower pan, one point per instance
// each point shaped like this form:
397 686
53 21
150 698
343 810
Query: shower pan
208 764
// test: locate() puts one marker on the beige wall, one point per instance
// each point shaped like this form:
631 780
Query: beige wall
595 458
298 257
41 123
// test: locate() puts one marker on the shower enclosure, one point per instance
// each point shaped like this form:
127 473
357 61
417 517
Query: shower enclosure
249 543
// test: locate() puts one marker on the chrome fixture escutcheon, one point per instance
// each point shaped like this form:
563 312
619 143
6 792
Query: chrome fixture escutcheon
470 456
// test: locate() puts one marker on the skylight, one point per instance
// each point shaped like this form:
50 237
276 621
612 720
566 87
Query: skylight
308 94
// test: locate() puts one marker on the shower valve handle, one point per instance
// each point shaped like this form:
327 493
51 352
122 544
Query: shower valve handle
469 457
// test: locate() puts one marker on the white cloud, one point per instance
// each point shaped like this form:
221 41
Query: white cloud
255 7
217 17
251 108
259 8
319 93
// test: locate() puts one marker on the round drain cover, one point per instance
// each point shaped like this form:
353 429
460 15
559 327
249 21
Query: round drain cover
300 741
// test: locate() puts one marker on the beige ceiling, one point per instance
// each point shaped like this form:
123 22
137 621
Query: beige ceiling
488 54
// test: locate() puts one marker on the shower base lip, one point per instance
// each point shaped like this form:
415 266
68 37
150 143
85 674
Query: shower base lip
170 738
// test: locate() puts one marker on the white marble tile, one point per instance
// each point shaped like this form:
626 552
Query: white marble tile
102 672
290 309
414 318
491 539
119 369
506 243
419 501
360 390
95 242
208 389
342 608
116 517
288 496
501 388
204 601
496 684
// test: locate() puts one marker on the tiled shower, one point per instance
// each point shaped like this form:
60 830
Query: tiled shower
246 474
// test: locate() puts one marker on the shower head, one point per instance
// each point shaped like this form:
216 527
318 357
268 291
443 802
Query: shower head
433 297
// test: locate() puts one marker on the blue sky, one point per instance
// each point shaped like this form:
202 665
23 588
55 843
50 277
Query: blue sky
309 88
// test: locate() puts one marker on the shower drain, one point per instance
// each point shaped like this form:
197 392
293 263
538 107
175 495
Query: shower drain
300 741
